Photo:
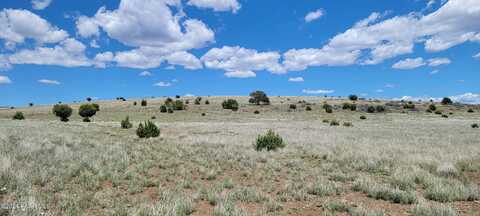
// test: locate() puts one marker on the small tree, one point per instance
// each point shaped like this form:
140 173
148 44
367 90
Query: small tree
258 97
126 123
207 102
87 111
230 104
97 107
18 116
446 101
89 99
143 103
148 130
135 103
62 111
198 100
163 108
353 97
270 141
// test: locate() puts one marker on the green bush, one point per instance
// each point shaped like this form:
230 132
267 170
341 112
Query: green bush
230 104
363 117
349 106
168 101
256 112
293 106
308 108
143 103
409 105
353 97
163 108
445 116
18 116
326 121
86 111
147 130
135 103
334 123
370 109
125 124
270 141
207 102
475 125
179 105
380 108
446 101
62 111
258 97
347 124
328 108
169 110
97 107
438 112
432 107
470 110
198 100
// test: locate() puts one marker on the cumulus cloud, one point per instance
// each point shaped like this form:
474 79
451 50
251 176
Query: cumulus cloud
184 59
163 84
49 82
68 53
467 98
317 91
217 5
5 80
240 74
434 62
18 25
40 4
238 59
295 79
409 63
314 15
87 27
145 73
372 40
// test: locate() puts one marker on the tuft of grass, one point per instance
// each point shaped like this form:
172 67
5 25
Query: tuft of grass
423 209
323 188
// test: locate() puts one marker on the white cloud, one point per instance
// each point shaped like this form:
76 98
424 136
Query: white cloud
102 59
69 53
49 82
4 63
240 74
477 56
184 59
217 5
18 25
467 98
409 63
163 84
301 59
434 72
295 79
234 59
40 4
434 62
390 85
87 27
314 15
317 91
145 73
5 80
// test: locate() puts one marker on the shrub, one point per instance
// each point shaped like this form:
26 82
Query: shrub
363 117
153 117
353 97
89 99
256 112
163 108
198 100
446 101
347 124
423 209
432 107
270 141
143 103
308 108
328 108
371 109
438 112
126 123
177 96
293 106
346 106
169 110
475 125
470 110
258 97
207 102
203 114
97 107
380 108
147 130
135 103
445 116
86 111
62 111
179 105
334 123
168 101
409 105
18 116
326 121
230 104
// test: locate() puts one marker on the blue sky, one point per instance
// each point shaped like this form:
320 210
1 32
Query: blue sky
52 50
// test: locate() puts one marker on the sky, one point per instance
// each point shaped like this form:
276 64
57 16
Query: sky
53 50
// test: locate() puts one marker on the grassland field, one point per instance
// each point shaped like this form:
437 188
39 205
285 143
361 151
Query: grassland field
399 162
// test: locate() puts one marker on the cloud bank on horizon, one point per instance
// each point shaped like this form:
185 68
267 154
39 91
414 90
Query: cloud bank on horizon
166 34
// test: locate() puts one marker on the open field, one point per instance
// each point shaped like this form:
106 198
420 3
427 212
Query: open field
392 163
